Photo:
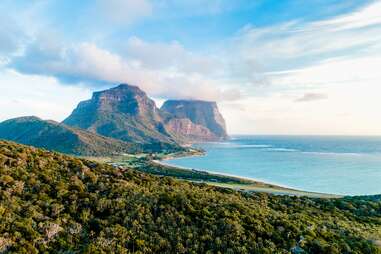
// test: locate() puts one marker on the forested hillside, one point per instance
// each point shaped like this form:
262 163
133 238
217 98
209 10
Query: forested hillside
70 140
52 203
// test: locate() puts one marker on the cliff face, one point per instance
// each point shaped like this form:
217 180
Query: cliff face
185 131
195 120
61 138
124 112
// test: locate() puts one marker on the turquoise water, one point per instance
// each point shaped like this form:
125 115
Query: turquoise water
328 164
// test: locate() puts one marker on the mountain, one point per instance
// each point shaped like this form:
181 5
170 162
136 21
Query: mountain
53 203
195 120
60 137
122 119
127 113
124 112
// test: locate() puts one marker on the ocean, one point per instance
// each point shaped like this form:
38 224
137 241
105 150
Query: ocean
325 164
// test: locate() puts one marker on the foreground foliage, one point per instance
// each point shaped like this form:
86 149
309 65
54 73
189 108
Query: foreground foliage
53 203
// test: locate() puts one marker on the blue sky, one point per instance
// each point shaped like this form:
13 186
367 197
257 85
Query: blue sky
275 67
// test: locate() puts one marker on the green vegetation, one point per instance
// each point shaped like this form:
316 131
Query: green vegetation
59 137
52 203
62 138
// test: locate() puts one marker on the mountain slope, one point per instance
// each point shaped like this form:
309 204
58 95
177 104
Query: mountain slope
124 112
52 203
206 122
59 137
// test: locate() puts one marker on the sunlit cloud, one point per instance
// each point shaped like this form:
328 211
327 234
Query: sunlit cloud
87 63
311 97
122 11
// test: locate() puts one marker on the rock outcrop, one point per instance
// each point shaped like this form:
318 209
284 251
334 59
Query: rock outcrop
195 120
185 131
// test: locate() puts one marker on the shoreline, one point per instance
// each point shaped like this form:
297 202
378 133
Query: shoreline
232 175
252 184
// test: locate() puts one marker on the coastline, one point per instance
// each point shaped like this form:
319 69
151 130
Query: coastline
225 174
248 184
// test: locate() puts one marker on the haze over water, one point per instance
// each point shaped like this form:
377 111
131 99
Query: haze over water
328 164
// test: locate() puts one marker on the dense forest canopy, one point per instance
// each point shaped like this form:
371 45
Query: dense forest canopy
52 203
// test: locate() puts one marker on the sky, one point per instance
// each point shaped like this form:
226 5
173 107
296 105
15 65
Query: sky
288 67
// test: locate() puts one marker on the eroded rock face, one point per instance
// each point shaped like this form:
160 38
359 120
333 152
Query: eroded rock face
205 122
185 131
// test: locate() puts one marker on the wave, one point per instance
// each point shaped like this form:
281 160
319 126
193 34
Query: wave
281 150
272 148
337 153
230 145
263 147
256 146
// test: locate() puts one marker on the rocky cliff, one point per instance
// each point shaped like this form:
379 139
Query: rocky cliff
195 120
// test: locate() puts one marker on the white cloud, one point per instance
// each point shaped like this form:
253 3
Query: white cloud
11 37
311 97
25 95
88 63
170 56
352 111
332 63
184 8
123 11
344 71
368 16
296 43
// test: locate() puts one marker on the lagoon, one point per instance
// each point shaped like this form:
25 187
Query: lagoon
326 164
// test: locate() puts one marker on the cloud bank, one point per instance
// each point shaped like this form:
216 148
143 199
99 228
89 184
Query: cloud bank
311 97
86 63
122 11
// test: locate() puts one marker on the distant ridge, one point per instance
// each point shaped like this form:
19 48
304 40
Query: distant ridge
59 137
